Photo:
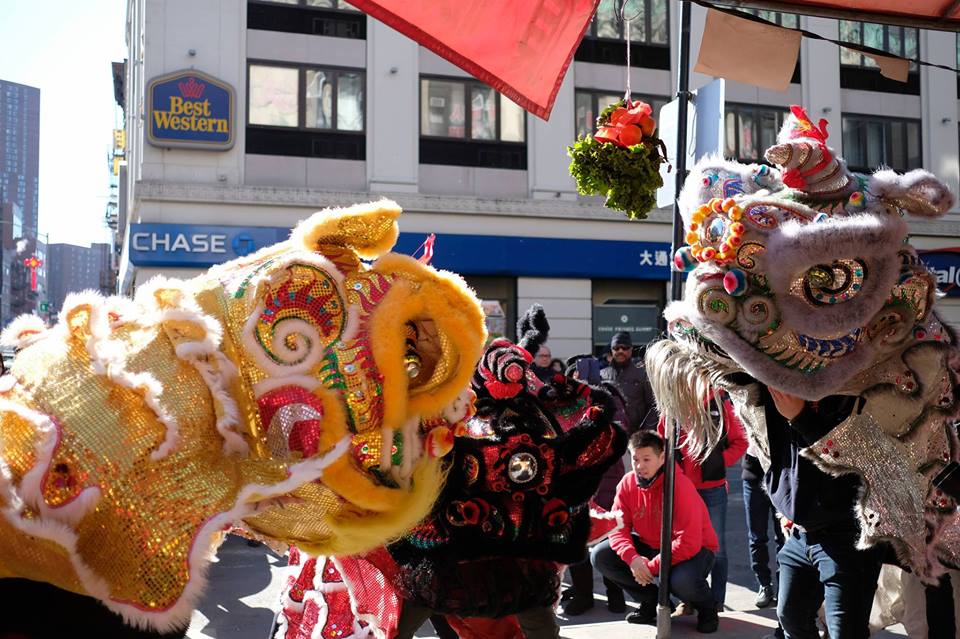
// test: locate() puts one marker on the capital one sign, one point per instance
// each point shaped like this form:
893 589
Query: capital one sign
945 264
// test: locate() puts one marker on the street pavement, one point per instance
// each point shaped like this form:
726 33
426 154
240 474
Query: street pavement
244 589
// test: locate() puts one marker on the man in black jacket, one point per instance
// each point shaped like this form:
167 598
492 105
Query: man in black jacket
819 562
630 376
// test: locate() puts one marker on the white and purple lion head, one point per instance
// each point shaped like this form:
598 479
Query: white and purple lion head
801 277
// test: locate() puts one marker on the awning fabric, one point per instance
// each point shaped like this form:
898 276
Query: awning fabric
523 49
935 14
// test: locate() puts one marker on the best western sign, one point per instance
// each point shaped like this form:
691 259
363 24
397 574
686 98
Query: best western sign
190 109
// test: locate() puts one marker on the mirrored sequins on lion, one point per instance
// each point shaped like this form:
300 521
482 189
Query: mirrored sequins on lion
801 276
299 392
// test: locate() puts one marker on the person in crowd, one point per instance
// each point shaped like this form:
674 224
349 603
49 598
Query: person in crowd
630 557
578 599
709 477
630 376
541 364
759 512
819 561
556 365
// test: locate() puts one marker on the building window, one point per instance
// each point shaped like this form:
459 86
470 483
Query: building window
604 40
649 22
788 20
490 116
321 4
333 18
870 142
858 71
467 123
751 130
590 103
286 101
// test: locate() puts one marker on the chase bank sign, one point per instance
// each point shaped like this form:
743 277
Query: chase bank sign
190 109
197 246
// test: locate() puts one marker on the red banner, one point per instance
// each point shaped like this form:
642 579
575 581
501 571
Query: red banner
522 49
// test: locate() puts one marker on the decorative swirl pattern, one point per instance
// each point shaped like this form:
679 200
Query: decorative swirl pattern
747 253
828 284
717 305
759 311
759 216
301 316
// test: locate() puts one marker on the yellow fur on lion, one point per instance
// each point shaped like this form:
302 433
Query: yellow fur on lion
270 393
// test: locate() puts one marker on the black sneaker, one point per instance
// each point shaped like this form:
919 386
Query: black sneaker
707 620
765 597
577 605
645 613
567 594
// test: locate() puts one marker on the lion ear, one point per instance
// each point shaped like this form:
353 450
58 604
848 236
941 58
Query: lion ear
366 230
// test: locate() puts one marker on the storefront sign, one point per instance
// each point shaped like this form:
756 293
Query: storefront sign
544 256
640 320
190 109
196 246
945 263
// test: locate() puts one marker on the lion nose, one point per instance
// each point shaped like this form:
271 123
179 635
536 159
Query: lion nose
293 418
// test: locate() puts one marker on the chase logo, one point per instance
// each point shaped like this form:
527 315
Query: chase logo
190 109
243 244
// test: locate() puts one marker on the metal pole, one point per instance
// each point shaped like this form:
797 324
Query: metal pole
676 289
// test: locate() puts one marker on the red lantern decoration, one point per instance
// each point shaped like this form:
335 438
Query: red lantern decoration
33 263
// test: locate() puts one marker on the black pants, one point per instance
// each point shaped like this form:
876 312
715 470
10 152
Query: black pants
536 623
34 610
688 579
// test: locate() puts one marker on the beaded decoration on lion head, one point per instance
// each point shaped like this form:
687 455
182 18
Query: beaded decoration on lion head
801 276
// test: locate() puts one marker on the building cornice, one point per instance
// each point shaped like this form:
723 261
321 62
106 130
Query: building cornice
422 203
411 202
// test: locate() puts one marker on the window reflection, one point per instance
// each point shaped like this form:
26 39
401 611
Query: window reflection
750 130
273 96
444 112
870 142
648 21
332 99
898 41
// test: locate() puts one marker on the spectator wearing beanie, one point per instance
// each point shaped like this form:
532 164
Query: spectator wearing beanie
630 376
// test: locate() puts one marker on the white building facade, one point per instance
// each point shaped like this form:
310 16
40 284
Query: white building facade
330 108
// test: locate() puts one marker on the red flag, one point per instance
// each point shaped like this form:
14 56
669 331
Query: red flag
427 247
522 49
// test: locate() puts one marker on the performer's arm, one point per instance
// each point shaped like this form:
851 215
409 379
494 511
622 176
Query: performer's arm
813 420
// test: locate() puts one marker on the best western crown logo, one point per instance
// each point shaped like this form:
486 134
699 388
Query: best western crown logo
189 108
191 88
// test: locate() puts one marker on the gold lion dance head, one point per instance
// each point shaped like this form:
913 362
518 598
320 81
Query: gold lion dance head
303 393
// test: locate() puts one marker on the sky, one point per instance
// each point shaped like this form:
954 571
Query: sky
65 47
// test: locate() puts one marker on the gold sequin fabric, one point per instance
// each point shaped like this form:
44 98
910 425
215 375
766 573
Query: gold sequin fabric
270 393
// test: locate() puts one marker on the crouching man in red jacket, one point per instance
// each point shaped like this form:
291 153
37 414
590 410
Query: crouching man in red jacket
630 557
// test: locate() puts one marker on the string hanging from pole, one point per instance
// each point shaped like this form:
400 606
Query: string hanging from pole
622 16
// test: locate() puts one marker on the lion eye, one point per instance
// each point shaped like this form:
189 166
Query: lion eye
834 283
